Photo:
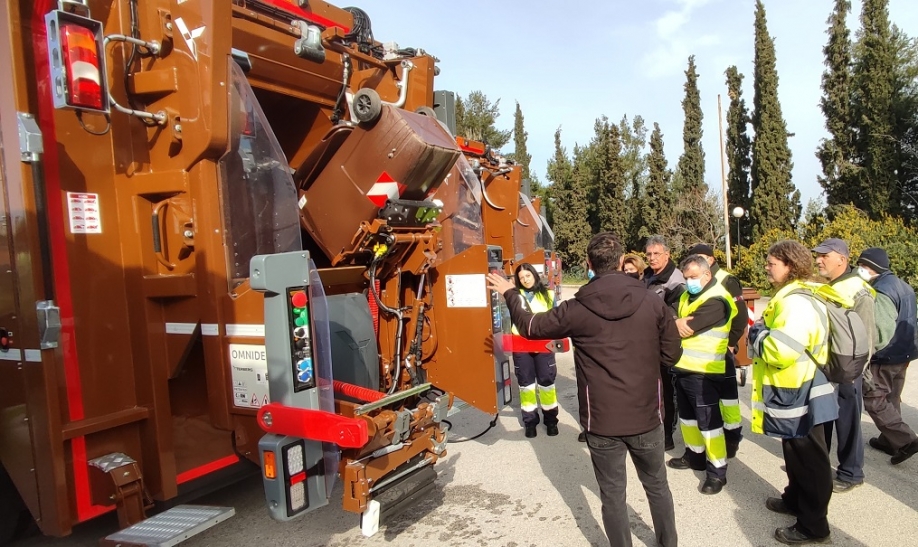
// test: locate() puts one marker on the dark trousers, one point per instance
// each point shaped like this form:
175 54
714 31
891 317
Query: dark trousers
698 397
729 391
884 404
809 477
537 368
668 393
848 428
608 455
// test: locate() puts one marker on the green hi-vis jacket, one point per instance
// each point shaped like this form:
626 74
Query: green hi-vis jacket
706 352
790 393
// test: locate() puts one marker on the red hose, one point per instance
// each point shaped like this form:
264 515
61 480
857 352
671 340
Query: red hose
360 393
374 308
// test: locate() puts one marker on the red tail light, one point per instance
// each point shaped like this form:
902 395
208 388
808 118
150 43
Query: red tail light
77 60
81 62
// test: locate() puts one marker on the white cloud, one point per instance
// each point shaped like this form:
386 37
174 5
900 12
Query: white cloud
676 40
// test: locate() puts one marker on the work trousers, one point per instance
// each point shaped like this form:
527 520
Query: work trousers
698 397
608 455
848 428
729 404
668 394
535 374
884 404
809 481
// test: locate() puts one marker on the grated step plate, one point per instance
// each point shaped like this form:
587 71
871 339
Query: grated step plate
171 527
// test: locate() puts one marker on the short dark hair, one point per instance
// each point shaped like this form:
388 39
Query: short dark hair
696 259
795 256
605 251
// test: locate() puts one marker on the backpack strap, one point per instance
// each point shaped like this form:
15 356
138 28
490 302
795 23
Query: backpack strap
823 318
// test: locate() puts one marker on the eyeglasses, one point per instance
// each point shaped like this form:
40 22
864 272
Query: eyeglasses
656 254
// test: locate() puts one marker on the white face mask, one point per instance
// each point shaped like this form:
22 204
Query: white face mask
863 273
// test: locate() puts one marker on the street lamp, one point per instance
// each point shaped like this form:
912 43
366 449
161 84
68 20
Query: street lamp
738 213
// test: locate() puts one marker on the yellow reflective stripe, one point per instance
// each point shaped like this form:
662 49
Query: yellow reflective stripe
716 334
548 397
528 398
706 355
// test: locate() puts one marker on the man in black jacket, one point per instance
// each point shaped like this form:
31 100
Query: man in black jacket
621 334
664 279
896 315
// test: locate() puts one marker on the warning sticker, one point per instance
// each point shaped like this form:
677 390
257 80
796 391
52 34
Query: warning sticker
85 214
466 291
249 365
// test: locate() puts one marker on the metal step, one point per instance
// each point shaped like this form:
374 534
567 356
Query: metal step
169 527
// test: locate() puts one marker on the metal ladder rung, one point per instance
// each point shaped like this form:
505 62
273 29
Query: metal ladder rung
170 527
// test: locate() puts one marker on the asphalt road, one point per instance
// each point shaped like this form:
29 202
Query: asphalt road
505 490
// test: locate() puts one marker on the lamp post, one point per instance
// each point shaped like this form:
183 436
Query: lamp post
738 213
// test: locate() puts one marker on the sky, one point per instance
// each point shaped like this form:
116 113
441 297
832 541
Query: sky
568 63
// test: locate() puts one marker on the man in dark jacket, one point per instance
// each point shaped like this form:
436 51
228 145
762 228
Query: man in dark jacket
621 334
896 346
664 279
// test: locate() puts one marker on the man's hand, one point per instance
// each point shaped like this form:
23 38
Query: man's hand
682 325
497 282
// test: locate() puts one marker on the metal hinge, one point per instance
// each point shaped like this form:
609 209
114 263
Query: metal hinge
49 323
30 143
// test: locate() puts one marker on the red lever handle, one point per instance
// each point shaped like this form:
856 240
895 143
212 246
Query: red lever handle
316 425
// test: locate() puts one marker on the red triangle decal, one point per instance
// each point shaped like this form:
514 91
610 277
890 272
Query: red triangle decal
384 177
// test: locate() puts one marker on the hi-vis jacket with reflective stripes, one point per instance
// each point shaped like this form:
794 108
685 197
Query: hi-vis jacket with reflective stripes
790 394
535 303
706 352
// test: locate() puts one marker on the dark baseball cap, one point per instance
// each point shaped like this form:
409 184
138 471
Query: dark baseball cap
832 244
701 249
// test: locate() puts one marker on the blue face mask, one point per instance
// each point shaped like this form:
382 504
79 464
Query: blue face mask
591 274
693 286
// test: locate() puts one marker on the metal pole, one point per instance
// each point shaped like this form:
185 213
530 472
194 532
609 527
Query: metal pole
723 180
738 220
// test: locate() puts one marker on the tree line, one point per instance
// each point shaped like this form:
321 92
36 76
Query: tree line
622 181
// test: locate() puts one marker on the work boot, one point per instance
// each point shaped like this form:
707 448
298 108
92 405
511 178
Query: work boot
713 485
839 486
879 444
732 449
531 431
582 437
552 430
905 453
777 505
793 536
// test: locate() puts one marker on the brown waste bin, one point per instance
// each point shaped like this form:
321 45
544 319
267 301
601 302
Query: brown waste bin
750 296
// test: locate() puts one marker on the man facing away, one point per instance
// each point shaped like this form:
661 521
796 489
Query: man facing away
705 313
664 279
896 347
832 263
729 403
621 334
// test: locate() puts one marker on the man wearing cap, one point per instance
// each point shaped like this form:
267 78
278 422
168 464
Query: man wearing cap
896 313
832 263
729 403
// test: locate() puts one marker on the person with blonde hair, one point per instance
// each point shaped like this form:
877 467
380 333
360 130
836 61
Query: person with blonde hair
634 265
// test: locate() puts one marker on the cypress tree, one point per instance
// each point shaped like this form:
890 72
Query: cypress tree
836 152
739 150
691 164
570 215
775 200
657 201
609 179
874 76
520 152
634 161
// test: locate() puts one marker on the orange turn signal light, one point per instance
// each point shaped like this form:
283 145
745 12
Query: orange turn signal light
270 465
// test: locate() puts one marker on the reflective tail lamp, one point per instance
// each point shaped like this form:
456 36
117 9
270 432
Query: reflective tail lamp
76 55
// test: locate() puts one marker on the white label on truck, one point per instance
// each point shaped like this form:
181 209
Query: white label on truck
85 213
249 366
466 291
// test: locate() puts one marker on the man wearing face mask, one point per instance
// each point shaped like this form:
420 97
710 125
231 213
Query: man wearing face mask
896 346
706 311
832 263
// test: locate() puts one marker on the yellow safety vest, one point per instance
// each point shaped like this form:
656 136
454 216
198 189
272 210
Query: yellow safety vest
536 305
790 394
852 286
706 352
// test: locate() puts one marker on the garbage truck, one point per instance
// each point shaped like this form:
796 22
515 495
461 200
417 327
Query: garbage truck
225 250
